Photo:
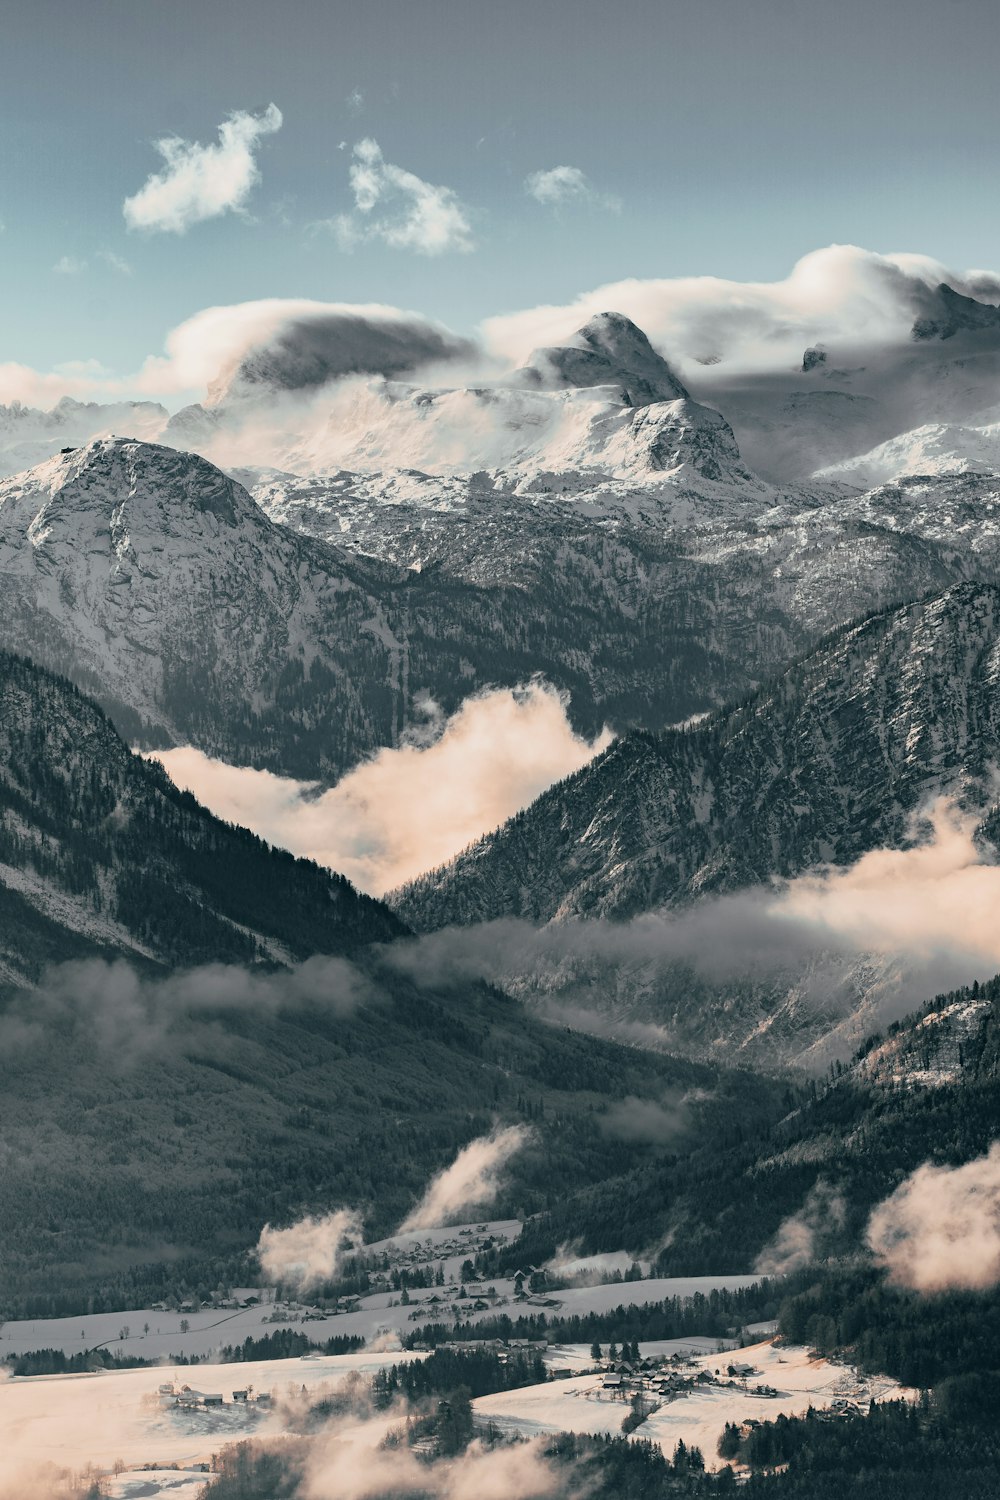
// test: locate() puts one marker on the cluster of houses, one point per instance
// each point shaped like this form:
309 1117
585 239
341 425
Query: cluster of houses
422 1255
228 1304
186 1398
840 1410
662 1378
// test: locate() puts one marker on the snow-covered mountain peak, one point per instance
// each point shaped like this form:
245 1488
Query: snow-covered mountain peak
608 350
126 488
948 312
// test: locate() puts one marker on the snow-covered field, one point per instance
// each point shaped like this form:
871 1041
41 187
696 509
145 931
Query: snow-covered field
579 1404
75 1420
212 1328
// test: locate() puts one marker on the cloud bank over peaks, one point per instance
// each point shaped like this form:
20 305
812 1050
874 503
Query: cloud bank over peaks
841 296
409 808
201 182
398 208
283 345
473 1180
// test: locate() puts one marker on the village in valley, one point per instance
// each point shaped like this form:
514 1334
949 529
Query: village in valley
398 1301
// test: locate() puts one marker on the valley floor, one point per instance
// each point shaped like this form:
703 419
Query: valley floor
582 1404
213 1328
118 1415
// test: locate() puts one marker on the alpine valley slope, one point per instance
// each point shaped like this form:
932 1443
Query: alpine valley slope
826 762
101 855
151 1113
927 1090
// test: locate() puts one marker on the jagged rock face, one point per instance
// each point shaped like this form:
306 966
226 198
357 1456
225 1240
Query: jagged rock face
949 313
684 433
100 854
159 585
607 350
155 582
823 765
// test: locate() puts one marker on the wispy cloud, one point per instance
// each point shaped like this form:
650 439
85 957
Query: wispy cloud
309 1251
559 186
69 265
115 262
400 209
200 182
473 1180
800 1238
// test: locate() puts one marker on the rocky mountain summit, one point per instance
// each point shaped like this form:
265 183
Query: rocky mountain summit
609 350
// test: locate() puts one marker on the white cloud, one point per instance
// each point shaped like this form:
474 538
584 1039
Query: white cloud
940 1229
356 101
201 182
351 1460
562 185
399 208
411 808
205 349
69 265
473 1180
309 1251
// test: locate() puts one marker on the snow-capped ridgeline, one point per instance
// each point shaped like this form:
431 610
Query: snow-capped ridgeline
605 408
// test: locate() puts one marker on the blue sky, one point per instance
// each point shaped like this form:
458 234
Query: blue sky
716 137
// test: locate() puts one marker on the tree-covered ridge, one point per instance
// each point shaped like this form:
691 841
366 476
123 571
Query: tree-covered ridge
101 843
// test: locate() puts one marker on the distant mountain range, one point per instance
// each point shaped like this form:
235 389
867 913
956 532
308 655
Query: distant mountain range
156 583
286 401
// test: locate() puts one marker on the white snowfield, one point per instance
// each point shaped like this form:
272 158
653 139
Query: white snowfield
213 1328
580 1403
74 1420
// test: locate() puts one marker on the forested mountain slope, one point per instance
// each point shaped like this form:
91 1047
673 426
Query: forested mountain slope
100 853
829 760
844 1144
152 1109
